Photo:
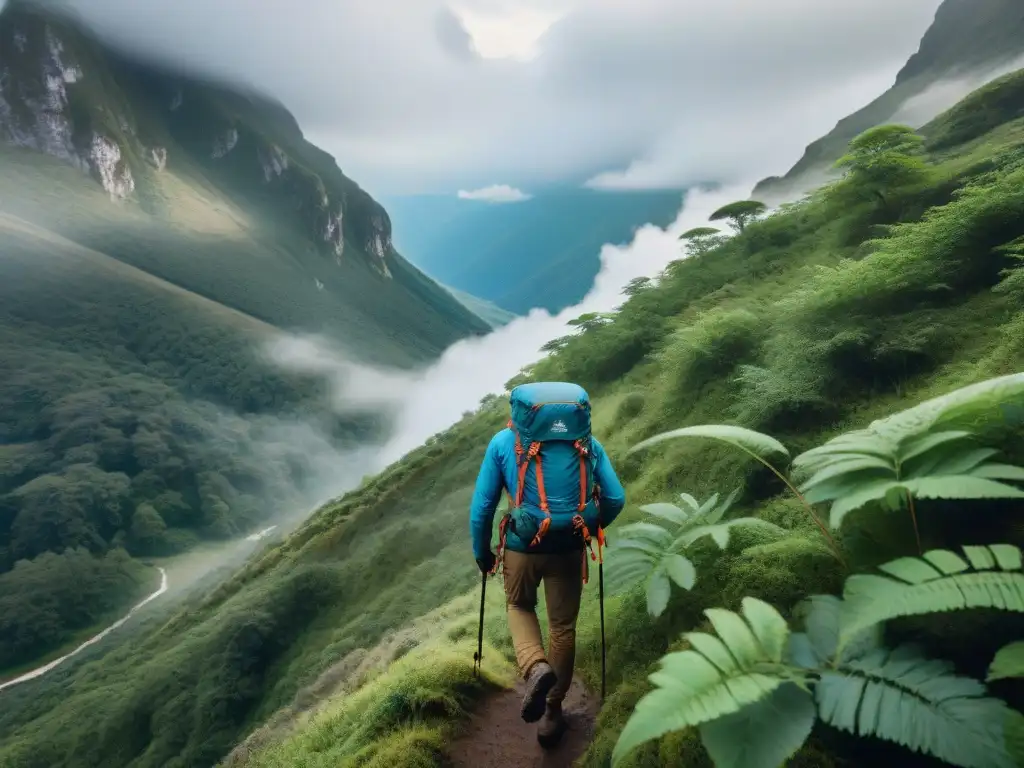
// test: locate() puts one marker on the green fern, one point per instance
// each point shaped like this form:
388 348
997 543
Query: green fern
756 445
718 676
940 580
901 696
755 690
1008 662
652 553
914 454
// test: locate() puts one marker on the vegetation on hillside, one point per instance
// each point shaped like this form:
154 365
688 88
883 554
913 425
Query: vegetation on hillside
137 412
815 322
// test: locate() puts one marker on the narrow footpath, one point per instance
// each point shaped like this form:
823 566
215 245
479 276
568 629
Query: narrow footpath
40 671
497 737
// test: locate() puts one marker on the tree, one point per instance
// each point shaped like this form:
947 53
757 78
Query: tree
701 240
555 345
882 159
591 320
637 285
740 213
148 529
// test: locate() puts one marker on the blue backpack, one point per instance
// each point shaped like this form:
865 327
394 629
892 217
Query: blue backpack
545 413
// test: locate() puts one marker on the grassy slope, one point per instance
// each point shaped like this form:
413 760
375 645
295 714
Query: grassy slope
966 36
838 342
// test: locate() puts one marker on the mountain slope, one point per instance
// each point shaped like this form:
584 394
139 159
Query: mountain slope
797 327
541 252
156 234
969 42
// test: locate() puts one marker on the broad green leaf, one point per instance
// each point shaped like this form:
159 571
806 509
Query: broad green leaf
843 485
708 505
1008 662
647 531
764 734
718 512
916 446
960 487
736 634
878 467
768 625
691 689
690 501
998 472
754 443
936 583
680 570
958 462
669 512
873 490
902 697
971 405
822 625
658 590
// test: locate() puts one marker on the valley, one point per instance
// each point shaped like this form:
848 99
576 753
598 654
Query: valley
298 598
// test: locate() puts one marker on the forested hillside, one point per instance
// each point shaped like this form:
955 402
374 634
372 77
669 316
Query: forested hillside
156 233
896 284
969 40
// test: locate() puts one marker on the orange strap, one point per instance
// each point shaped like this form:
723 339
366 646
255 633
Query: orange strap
502 531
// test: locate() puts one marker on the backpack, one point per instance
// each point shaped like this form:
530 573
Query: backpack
543 413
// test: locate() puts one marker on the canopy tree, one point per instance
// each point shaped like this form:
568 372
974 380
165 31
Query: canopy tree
883 159
701 240
739 213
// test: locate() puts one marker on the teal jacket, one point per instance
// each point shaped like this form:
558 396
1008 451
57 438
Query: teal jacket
498 472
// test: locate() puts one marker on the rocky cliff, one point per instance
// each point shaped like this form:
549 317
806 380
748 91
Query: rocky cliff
65 94
968 43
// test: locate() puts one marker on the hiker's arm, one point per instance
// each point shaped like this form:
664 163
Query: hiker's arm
613 495
486 496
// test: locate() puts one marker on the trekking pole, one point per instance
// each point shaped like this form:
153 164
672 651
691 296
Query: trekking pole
478 657
600 593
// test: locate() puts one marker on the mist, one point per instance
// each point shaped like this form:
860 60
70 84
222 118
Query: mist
937 98
430 400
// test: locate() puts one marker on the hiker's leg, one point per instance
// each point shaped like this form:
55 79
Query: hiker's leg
563 587
521 578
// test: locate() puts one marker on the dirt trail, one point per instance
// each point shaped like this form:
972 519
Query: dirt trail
497 737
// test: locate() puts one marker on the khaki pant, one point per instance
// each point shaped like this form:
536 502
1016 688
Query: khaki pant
562 575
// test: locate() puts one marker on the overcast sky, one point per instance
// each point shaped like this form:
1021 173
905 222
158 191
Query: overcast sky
434 96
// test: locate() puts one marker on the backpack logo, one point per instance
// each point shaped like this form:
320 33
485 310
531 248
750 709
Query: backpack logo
559 426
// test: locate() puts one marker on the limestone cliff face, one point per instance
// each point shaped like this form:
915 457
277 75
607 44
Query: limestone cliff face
64 93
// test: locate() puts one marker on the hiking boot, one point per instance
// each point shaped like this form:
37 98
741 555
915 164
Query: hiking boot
539 682
552 726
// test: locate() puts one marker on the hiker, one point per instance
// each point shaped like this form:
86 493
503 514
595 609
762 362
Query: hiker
562 492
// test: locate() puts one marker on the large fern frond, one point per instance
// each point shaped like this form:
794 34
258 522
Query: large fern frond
719 676
940 580
901 696
922 452
967 407
650 552
754 443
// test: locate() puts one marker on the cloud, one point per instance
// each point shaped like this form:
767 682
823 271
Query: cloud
496 193
428 401
418 96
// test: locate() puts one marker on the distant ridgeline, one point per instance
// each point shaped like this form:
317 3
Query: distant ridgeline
540 252
155 232
969 42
